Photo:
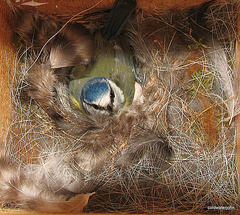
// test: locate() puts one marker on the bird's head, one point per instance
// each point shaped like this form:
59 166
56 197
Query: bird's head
101 96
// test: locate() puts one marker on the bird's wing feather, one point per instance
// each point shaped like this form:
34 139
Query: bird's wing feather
125 69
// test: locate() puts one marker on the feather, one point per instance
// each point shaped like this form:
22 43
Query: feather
73 46
67 46
35 29
120 12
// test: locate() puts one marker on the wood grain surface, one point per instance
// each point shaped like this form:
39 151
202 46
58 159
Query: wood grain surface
6 67
71 7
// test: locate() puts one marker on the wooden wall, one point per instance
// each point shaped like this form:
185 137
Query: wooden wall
6 67
75 6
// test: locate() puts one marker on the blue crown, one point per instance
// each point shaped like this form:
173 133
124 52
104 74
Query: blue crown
94 88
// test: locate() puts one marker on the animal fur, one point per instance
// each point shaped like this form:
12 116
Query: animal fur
148 157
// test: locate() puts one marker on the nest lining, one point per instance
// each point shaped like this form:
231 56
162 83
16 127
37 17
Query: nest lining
187 101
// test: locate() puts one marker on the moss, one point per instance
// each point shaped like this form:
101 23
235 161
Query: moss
197 44
202 81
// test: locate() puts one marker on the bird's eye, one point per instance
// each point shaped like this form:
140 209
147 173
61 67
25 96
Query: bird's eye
109 108
112 96
95 106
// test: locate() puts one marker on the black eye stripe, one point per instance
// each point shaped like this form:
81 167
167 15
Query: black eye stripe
109 108
112 95
97 107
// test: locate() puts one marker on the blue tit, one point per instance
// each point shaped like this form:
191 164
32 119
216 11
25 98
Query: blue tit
108 84
101 95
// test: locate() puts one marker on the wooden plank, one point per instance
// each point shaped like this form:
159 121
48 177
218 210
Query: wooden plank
71 7
60 7
238 151
237 84
6 68
19 212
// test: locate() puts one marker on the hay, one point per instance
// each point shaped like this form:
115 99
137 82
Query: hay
188 101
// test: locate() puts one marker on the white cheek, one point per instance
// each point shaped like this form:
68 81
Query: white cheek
93 111
104 101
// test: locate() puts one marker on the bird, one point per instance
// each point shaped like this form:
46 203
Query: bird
107 84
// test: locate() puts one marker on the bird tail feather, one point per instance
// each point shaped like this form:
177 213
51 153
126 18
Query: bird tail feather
121 11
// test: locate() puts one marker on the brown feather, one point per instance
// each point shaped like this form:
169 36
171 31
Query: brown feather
35 29
72 46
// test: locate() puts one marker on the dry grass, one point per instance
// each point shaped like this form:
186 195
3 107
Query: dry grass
193 87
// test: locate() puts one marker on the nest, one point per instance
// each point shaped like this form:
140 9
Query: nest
173 150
